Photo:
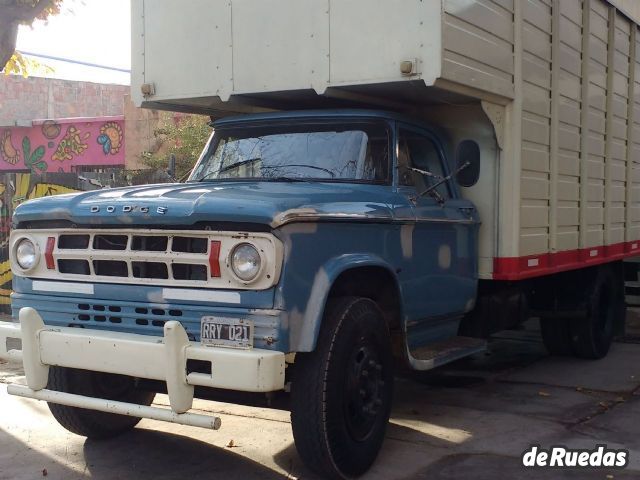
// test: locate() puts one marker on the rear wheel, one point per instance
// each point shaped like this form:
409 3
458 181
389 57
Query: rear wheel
341 392
591 336
91 423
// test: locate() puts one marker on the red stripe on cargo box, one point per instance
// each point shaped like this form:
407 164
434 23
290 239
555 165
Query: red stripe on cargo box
519 268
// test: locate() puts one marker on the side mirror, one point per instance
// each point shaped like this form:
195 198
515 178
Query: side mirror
467 163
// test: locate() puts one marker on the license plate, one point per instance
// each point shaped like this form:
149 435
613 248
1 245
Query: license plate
226 332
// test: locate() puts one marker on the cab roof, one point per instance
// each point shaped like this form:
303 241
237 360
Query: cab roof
283 116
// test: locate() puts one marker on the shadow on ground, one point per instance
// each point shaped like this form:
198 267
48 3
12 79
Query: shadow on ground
152 454
490 467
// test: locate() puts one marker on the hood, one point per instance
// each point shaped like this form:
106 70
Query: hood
266 203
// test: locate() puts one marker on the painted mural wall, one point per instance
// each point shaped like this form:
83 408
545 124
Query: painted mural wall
61 145
15 189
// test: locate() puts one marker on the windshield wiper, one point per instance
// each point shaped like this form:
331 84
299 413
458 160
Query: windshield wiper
267 167
228 167
285 179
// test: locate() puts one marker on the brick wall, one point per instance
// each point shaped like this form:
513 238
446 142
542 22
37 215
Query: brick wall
23 100
32 98
140 124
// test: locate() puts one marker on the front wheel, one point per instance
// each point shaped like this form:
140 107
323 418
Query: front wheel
341 392
91 423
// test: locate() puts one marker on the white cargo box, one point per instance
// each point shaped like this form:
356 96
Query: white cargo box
549 88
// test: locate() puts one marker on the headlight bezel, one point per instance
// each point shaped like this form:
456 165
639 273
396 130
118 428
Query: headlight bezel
36 252
232 266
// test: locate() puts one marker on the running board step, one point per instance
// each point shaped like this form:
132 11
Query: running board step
440 353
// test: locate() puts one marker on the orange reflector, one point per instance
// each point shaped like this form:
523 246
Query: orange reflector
48 254
214 259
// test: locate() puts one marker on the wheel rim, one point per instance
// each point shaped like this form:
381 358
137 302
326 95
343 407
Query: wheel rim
364 390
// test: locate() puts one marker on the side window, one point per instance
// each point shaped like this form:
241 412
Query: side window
418 151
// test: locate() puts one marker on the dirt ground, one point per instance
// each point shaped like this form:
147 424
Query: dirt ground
472 419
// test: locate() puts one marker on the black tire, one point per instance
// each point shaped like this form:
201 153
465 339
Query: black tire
556 336
91 423
341 392
592 335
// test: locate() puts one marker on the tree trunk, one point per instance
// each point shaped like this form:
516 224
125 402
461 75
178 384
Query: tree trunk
12 14
7 41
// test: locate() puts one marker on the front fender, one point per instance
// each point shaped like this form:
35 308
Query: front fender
304 334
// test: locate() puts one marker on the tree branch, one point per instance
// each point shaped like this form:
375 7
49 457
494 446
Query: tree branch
23 13
10 17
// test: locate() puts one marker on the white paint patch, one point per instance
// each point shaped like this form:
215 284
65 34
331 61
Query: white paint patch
305 330
200 295
444 257
634 245
64 287
593 253
533 262
155 296
406 241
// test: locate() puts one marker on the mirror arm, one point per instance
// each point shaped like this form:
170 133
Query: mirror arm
427 173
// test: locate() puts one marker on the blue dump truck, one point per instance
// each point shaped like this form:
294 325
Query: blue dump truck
364 203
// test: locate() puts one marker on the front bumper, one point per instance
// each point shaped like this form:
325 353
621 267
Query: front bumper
144 310
155 358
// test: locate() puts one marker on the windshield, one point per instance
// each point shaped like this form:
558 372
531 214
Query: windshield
357 152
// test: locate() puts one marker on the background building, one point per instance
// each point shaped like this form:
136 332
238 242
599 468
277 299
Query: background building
97 123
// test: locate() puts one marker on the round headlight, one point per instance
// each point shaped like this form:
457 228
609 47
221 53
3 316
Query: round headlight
245 261
26 254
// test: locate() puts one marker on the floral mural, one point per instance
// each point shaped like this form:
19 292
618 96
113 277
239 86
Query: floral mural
110 138
62 145
9 153
71 145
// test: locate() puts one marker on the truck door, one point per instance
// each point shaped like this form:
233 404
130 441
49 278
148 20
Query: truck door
439 283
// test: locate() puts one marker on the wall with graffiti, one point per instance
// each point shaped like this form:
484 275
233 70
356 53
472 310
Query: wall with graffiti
15 189
63 145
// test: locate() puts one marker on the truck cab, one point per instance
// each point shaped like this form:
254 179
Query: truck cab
302 243
319 244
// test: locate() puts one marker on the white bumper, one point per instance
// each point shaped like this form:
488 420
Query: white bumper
156 358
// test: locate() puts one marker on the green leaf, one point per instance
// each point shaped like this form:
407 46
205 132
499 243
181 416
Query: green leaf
38 153
26 148
42 166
